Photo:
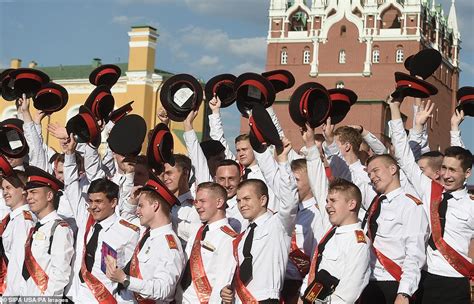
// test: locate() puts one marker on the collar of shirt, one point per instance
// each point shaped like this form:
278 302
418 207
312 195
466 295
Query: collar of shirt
393 194
185 196
218 224
459 194
231 202
18 211
356 164
166 229
262 218
254 168
50 217
108 222
348 228
307 203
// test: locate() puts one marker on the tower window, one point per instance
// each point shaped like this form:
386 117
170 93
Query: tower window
399 56
342 56
284 57
306 57
376 56
343 31
339 85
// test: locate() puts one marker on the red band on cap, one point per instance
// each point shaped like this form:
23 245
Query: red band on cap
466 97
339 96
279 77
6 167
219 83
91 126
13 127
96 102
156 145
258 85
103 72
413 85
256 131
304 103
45 181
29 76
164 193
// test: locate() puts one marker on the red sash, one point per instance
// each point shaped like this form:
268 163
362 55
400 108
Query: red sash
136 273
393 268
312 269
3 260
34 269
198 274
100 292
298 257
457 261
242 291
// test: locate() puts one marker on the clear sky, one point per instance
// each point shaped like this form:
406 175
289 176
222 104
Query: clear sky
199 37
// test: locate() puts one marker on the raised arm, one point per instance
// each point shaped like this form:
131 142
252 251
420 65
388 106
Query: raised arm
216 128
195 153
456 120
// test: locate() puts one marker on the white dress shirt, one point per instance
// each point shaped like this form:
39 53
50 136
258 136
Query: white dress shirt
236 220
459 226
161 265
183 216
401 236
271 242
57 264
218 261
14 239
347 259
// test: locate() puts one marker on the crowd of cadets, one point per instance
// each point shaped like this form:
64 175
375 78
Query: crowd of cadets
343 220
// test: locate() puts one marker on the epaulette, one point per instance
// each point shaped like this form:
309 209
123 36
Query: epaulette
415 199
171 241
229 231
63 223
360 236
129 225
27 215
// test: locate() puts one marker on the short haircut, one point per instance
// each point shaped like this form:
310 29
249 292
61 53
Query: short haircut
182 162
319 137
387 159
59 158
434 158
217 189
228 162
464 155
349 135
348 189
259 186
299 164
152 196
18 179
242 137
103 185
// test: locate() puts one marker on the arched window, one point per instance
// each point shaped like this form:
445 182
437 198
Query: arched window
72 111
284 56
306 56
399 56
10 112
342 56
376 56
339 85
343 31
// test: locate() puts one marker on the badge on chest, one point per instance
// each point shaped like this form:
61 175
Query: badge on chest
39 236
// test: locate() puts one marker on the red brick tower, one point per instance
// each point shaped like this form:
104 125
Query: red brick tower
359 45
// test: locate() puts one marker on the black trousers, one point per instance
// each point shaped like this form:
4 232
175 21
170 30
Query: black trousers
269 301
435 289
379 292
291 291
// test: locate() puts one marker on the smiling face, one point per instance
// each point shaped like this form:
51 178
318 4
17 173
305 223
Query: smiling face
383 175
174 178
229 178
13 197
302 184
245 154
146 209
453 175
340 208
100 207
40 200
207 204
251 203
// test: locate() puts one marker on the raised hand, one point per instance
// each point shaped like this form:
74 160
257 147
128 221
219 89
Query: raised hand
162 115
328 131
57 131
68 145
188 122
282 154
39 117
308 135
215 104
425 111
456 119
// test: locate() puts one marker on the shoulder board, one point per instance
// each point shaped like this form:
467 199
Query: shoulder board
129 225
63 223
27 215
360 236
229 231
415 199
171 241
